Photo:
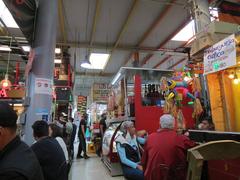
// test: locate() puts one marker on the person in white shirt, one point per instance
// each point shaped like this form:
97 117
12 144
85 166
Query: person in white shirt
56 132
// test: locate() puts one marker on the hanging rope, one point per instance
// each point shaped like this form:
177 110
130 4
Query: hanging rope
88 49
9 55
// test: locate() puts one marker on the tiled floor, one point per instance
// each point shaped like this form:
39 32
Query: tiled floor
90 169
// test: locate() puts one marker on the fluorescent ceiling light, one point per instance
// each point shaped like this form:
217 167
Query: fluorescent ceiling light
57 50
26 48
186 33
98 60
5 48
57 61
6 16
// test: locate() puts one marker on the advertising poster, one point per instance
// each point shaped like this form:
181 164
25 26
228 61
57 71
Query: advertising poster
82 104
220 56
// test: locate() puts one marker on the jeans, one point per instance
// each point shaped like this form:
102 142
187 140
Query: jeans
81 146
132 174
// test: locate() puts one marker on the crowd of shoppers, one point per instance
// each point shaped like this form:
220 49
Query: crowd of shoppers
163 156
49 153
17 160
47 158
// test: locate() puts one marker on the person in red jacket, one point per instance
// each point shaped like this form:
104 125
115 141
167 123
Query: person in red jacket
165 153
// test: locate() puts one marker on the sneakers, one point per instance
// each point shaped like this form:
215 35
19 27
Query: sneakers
86 157
79 157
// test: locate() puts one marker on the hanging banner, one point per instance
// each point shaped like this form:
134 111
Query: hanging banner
220 56
82 104
43 86
100 92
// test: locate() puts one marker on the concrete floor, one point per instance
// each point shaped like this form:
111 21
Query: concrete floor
90 169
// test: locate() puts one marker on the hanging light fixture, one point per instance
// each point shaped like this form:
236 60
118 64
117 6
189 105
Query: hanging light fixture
236 80
86 63
231 75
5 83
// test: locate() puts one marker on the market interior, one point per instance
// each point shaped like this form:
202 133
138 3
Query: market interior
89 66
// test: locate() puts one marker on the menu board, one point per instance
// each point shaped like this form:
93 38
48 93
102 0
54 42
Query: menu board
100 92
82 104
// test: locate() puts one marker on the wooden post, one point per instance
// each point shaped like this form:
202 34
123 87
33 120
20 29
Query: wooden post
226 116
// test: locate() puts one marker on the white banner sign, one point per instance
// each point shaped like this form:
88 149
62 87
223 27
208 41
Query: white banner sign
43 86
220 56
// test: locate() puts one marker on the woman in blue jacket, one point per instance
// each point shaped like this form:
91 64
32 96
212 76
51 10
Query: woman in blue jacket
129 151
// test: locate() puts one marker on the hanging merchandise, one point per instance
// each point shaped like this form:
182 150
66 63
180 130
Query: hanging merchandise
196 87
198 111
181 90
111 101
180 120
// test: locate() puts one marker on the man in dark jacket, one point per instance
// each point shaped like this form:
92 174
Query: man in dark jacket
82 137
17 161
49 153
74 131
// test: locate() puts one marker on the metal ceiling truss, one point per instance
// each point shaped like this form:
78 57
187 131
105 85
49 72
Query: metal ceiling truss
123 29
152 27
168 57
95 21
162 44
62 20
95 74
14 40
177 63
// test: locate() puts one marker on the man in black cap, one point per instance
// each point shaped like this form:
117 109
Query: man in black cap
17 160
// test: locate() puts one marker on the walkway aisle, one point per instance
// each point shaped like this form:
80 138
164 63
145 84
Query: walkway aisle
90 169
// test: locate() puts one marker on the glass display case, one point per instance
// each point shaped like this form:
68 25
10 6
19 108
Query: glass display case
109 152
108 135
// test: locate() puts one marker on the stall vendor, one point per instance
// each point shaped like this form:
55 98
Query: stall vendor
129 151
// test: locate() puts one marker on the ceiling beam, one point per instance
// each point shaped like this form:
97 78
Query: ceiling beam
152 27
177 63
95 20
165 59
123 29
94 74
120 47
62 20
161 62
163 43
6 62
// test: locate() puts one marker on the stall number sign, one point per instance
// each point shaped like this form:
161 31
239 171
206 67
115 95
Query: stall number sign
220 56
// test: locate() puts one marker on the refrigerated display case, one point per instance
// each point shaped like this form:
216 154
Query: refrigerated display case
109 152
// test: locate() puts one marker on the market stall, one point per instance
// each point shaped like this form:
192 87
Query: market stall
146 94
222 73
222 70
